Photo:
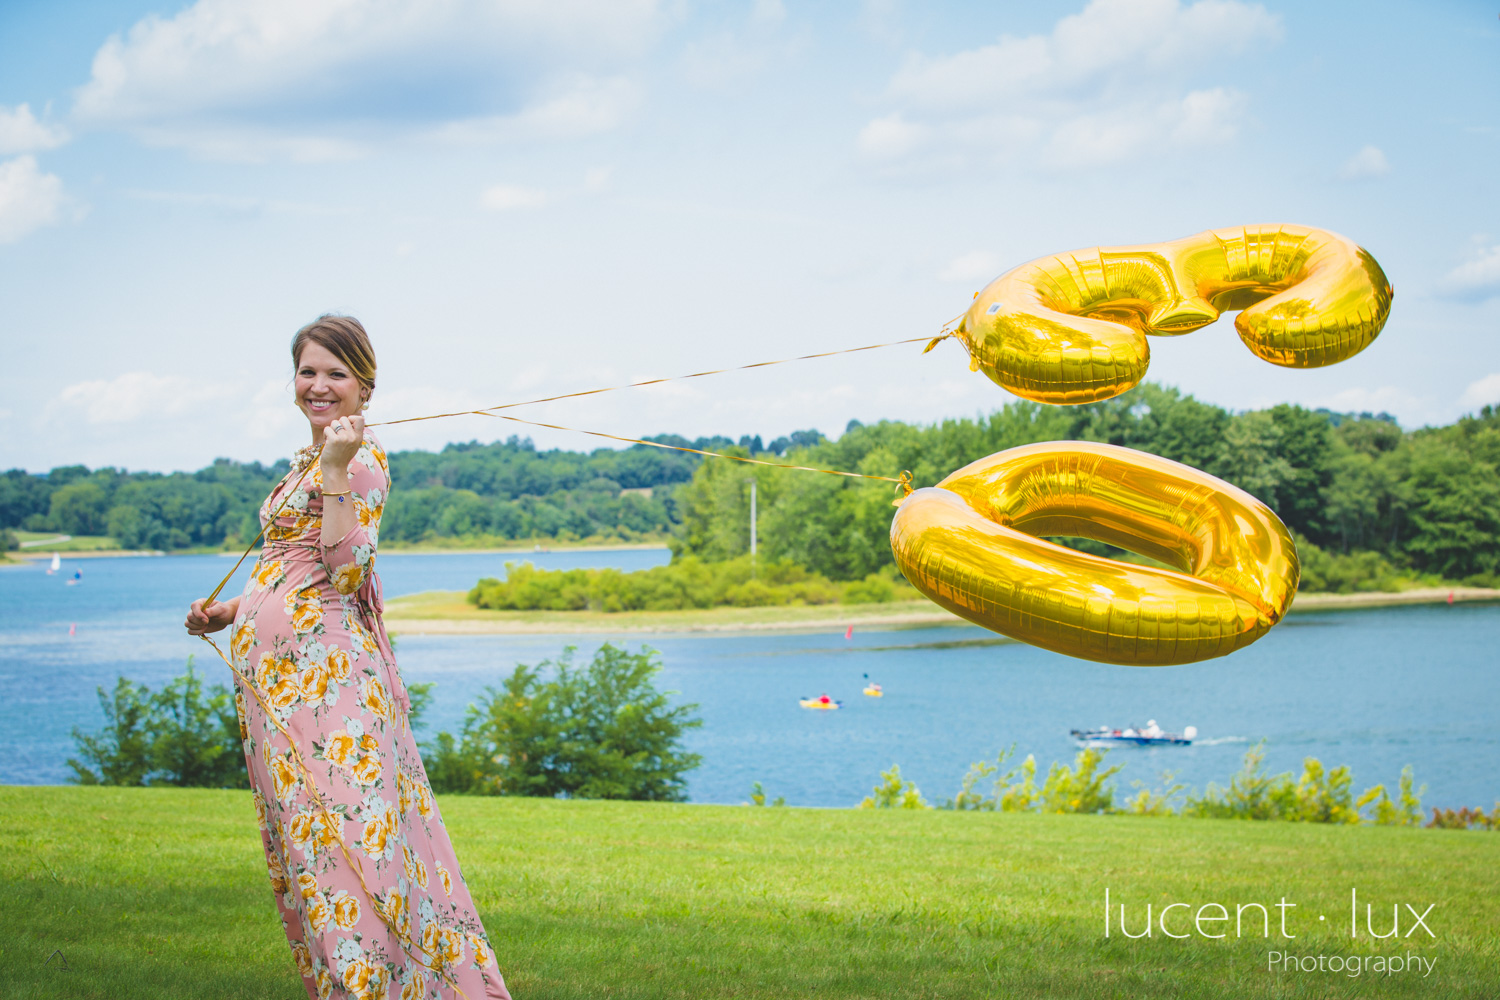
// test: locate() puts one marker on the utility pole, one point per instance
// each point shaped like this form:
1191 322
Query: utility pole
752 522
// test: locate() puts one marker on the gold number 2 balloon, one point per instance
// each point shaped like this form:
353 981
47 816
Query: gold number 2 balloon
1072 328
975 544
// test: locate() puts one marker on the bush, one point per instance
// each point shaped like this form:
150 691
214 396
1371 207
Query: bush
8 540
181 735
686 583
893 793
758 796
1465 819
1321 795
1354 572
599 732
1080 788
1409 810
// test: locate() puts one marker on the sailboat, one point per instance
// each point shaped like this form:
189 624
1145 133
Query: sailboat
56 564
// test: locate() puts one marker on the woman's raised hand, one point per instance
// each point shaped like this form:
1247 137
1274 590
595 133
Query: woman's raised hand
341 440
202 620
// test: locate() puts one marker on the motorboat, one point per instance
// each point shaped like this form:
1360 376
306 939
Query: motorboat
1149 735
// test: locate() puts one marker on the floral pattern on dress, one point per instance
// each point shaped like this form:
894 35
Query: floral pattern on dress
310 639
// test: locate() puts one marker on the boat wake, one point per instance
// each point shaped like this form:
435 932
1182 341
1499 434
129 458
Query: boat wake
1221 739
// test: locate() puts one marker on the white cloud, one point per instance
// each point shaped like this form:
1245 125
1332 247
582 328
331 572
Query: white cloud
29 199
513 197
238 205
577 106
737 54
20 132
1106 84
1367 164
317 79
891 136
596 179
1481 392
1477 278
981 265
509 197
136 396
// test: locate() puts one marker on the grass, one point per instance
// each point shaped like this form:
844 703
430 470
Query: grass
75 543
417 611
449 611
525 546
162 892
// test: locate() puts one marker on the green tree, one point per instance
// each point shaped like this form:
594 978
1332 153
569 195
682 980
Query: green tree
597 732
182 735
78 508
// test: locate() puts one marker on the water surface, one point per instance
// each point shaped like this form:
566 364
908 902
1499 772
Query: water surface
1375 689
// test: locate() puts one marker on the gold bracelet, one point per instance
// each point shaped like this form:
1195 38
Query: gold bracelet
340 493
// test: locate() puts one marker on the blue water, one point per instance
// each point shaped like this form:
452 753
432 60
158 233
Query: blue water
1373 689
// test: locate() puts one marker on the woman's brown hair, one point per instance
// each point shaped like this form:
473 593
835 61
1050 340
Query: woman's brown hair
343 337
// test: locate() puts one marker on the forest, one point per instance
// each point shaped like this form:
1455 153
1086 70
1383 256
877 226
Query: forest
1374 506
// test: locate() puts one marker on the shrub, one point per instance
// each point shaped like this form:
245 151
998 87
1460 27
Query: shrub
1250 795
1148 802
758 796
893 793
181 735
687 583
1465 819
1409 810
1353 572
598 732
1080 788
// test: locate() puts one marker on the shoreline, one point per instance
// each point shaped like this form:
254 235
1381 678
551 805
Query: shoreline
33 554
447 613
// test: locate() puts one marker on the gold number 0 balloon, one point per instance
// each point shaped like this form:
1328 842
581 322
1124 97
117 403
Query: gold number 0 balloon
1072 328
974 545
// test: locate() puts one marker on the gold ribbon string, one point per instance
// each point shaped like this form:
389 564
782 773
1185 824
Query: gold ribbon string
903 485
484 411
272 520
903 481
412 949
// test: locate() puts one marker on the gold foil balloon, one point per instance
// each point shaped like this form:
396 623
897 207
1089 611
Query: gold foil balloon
975 544
1072 328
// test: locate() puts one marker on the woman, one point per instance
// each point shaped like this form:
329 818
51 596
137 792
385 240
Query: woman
370 893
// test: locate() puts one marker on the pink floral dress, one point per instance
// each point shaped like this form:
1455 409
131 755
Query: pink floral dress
369 890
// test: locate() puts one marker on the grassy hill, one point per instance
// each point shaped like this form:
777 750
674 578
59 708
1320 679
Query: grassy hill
162 892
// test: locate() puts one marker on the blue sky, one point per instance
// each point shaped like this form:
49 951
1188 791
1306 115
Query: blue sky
522 197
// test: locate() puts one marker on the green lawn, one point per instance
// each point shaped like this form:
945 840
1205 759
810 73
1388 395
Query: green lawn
75 543
162 892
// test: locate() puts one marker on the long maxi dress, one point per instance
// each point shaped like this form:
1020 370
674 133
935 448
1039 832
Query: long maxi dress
310 639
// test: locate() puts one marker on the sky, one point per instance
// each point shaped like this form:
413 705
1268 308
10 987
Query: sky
520 198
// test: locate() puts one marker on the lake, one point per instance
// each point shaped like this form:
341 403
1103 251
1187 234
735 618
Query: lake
1374 689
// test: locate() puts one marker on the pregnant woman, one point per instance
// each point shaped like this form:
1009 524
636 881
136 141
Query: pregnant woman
370 893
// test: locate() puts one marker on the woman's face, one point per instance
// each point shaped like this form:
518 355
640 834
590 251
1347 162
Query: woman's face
325 387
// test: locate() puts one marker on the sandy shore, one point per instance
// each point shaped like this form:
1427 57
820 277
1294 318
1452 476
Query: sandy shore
447 614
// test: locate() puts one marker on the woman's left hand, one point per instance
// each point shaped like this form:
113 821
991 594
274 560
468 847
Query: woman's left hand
341 441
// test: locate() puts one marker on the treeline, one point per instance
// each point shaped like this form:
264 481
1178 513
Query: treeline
1375 506
504 491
